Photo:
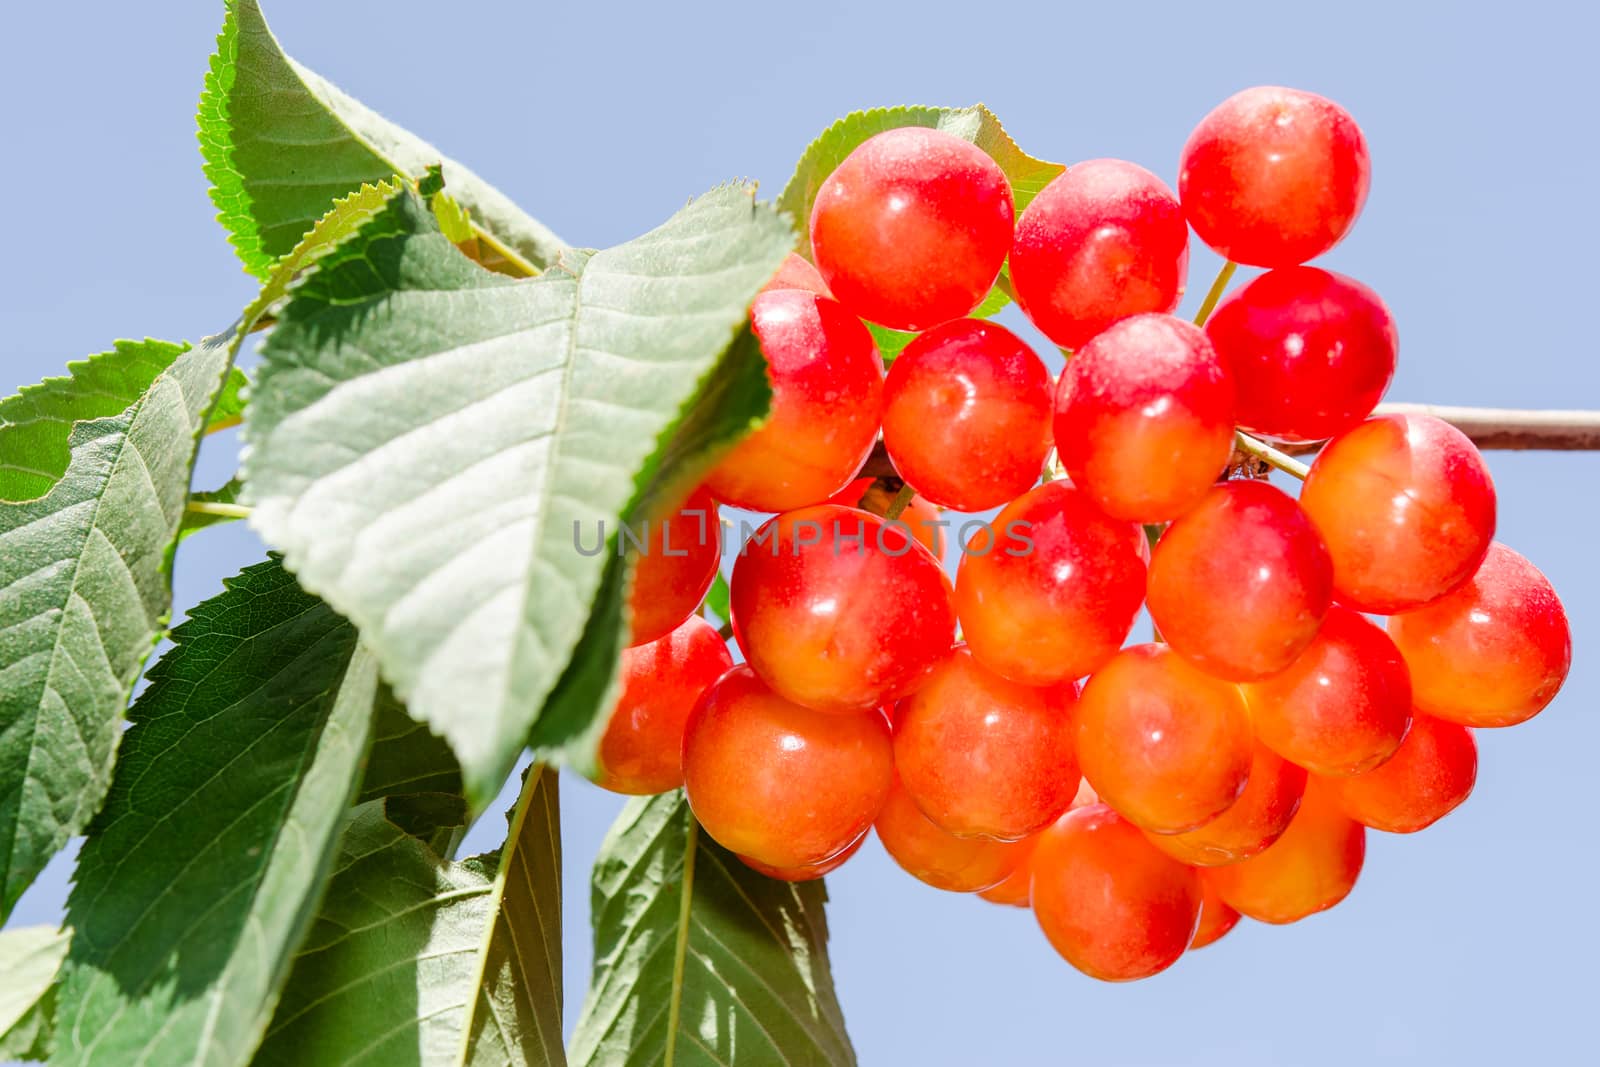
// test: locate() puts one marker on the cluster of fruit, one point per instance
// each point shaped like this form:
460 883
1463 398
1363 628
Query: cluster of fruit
1141 798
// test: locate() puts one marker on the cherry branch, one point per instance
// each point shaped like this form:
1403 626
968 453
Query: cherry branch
1503 428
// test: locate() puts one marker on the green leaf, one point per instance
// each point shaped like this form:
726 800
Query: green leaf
425 436
717 598
203 871
419 774
229 410
700 960
280 144
418 961
85 587
195 521
976 124
30 956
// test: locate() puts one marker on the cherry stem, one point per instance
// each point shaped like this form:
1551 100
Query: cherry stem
226 511
1269 455
901 501
1501 428
1218 287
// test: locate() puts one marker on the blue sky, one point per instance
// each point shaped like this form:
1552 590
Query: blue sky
1471 943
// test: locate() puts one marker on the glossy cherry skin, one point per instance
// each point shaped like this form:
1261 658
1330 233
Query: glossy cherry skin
779 783
911 229
1312 352
1312 867
943 860
838 610
1254 821
982 755
1427 778
797 273
1493 651
966 415
809 873
1239 584
676 557
641 751
1016 888
1110 903
1273 177
1343 706
1164 744
1104 240
1216 917
1053 592
1407 509
827 396
921 517
1144 418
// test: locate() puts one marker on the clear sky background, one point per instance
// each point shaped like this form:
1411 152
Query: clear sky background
1471 943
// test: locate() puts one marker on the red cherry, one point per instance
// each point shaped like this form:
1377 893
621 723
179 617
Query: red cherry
911 229
1050 591
981 755
1164 744
675 566
1104 240
1492 652
1312 352
966 415
1312 867
827 395
1016 888
920 516
1239 584
1343 706
1254 821
1427 778
1407 509
779 783
943 860
1144 418
796 273
1113 906
641 751
838 610
1216 917
1273 177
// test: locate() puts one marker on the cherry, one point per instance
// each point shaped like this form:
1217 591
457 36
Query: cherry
641 751
810 872
911 229
1239 584
1312 352
1406 507
1273 177
1104 240
1427 778
1048 593
796 273
1312 867
1016 888
1343 706
779 783
838 610
1164 744
676 557
983 755
1144 418
1216 917
1257 819
1494 651
1115 907
966 415
943 860
921 517
827 395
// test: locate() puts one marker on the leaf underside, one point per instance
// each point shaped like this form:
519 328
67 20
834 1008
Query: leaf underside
280 144
85 589
30 956
753 983
425 437
204 868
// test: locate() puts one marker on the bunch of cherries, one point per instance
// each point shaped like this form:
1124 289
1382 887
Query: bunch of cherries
994 729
